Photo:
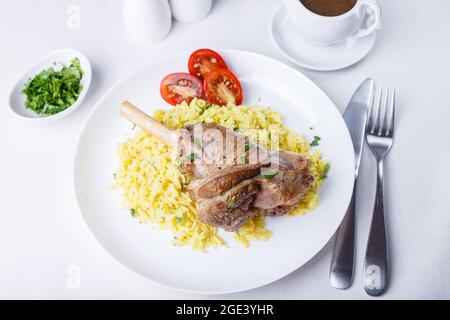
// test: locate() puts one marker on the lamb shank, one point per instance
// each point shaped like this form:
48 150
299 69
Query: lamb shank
233 177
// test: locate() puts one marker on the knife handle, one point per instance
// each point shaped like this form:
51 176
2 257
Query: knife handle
341 270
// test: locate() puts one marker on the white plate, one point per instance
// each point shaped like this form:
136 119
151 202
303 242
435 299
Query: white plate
148 251
299 51
17 98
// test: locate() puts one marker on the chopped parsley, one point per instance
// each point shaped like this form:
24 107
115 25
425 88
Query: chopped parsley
246 147
191 157
315 141
50 91
202 110
133 213
324 173
269 135
181 219
269 175
232 201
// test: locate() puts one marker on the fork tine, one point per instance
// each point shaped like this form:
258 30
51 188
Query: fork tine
390 129
384 118
369 115
369 112
376 115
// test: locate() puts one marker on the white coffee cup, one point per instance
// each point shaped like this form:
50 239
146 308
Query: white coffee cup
325 30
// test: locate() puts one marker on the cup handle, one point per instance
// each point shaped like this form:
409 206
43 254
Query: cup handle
374 20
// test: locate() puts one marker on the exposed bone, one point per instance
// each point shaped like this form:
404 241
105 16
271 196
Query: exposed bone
149 124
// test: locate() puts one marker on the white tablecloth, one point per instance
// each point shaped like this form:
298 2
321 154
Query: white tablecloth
43 241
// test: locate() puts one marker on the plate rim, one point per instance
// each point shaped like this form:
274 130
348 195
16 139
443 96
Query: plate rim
162 284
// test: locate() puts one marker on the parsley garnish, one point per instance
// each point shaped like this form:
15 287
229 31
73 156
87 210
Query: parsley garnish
202 111
246 147
324 173
181 219
315 141
133 212
232 201
269 175
192 157
50 91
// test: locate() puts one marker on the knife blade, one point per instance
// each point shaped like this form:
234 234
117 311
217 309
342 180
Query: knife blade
355 116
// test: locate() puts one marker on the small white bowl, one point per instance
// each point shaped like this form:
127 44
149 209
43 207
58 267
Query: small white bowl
17 98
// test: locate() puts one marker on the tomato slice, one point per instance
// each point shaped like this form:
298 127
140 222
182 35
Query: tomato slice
203 61
178 87
221 87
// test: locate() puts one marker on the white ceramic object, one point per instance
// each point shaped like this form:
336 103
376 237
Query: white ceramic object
147 21
148 251
298 50
190 10
324 31
17 98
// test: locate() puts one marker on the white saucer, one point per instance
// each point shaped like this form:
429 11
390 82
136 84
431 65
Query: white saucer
299 51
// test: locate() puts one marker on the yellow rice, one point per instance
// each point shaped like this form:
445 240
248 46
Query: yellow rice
154 189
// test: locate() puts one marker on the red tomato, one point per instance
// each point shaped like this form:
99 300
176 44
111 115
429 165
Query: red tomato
178 87
203 61
222 87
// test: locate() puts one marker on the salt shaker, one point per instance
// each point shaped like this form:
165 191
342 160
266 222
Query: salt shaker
147 21
190 10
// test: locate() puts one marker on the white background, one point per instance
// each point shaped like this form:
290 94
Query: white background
42 235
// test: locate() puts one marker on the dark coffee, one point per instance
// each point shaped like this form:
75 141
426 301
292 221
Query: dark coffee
329 8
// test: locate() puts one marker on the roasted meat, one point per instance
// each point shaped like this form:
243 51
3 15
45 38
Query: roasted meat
232 175
206 148
231 208
287 187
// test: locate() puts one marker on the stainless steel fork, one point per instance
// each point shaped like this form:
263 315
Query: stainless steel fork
380 136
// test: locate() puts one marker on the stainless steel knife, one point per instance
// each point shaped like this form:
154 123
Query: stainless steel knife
355 116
